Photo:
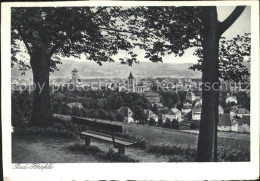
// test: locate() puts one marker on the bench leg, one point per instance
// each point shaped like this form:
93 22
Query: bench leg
87 141
121 150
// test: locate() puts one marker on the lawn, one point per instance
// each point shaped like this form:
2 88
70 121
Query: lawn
158 135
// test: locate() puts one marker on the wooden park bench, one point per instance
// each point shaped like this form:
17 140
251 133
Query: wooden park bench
98 133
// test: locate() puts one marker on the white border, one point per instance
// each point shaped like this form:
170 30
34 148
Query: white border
154 171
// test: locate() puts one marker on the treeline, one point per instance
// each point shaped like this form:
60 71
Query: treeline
100 104
173 99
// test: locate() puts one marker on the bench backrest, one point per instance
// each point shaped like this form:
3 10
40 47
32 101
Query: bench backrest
97 124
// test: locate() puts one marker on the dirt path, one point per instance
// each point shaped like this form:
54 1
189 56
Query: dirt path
55 150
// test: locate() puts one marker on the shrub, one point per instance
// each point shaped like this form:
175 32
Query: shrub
140 141
119 117
65 109
167 123
193 125
84 112
152 122
64 122
81 147
75 111
228 154
113 156
160 122
21 108
175 124
177 153
55 107
111 117
102 114
186 152
49 131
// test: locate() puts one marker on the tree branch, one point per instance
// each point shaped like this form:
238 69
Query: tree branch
98 11
223 26
123 31
53 49
23 38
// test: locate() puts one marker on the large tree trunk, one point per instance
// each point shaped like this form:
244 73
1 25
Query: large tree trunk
41 111
207 143
212 30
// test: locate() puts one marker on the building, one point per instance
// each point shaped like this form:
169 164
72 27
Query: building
153 97
198 102
122 88
231 99
220 110
75 104
187 107
140 88
150 114
134 87
190 96
196 111
174 113
131 83
75 78
233 111
224 123
242 112
127 113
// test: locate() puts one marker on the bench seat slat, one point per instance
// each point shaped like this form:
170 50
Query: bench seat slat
107 138
97 124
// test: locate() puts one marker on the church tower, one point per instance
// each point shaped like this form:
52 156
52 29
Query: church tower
75 77
131 83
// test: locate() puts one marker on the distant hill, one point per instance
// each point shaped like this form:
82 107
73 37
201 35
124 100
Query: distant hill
89 69
117 70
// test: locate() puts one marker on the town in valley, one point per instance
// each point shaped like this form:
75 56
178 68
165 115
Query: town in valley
163 101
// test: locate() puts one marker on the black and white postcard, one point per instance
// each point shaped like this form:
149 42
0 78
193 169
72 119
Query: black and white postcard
137 90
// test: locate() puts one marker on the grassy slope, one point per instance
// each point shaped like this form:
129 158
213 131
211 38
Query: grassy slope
157 135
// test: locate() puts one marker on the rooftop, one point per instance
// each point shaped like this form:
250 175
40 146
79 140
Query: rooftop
74 70
130 76
242 111
173 111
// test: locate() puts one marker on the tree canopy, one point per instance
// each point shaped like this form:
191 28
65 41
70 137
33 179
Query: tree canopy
98 33
232 54
66 32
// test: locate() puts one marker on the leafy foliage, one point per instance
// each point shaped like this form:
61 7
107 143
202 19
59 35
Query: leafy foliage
162 30
49 131
119 117
232 54
66 32
187 153
21 108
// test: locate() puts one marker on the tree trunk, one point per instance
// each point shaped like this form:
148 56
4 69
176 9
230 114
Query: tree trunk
207 143
41 110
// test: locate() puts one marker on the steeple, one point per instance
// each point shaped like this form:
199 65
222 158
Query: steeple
131 76
131 83
74 70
